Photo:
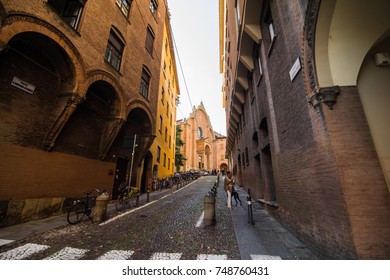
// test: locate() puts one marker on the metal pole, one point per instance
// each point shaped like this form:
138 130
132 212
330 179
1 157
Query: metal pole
132 160
250 213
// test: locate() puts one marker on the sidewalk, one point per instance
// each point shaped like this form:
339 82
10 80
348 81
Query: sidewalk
266 239
31 228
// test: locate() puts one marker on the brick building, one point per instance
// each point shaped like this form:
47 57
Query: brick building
78 79
204 149
306 96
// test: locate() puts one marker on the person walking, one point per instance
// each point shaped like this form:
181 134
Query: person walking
228 186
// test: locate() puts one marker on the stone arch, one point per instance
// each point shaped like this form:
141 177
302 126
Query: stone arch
337 37
373 87
346 31
223 168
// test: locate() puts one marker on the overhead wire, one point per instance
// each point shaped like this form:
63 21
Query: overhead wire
181 70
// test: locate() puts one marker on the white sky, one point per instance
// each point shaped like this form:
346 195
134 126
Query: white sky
195 27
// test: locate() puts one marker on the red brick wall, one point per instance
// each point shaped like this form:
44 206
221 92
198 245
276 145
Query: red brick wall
30 173
36 184
363 184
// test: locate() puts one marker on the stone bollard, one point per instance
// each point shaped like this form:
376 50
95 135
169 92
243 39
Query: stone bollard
147 195
209 210
100 208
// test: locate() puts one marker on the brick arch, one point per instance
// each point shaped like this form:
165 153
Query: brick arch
15 24
145 107
101 75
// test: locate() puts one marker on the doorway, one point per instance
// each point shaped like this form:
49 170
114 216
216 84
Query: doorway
120 176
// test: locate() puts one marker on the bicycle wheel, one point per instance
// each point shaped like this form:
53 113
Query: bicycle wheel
121 203
76 213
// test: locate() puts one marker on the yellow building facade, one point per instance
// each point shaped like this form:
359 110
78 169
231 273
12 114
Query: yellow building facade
163 147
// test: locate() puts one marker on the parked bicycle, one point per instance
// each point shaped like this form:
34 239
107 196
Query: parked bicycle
83 207
127 197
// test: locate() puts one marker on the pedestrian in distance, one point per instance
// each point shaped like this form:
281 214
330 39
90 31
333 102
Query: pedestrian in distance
228 185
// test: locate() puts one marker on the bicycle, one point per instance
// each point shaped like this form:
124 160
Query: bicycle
82 207
125 198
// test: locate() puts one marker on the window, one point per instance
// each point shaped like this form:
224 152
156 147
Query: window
160 125
268 19
149 40
200 133
259 65
238 13
153 7
247 156
169 163
158 153
145 81
165 159
124 6
167 109
70 10
243 114
166 134
162 95
170 141
114 50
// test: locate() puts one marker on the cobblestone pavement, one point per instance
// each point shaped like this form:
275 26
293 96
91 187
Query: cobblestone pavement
167 228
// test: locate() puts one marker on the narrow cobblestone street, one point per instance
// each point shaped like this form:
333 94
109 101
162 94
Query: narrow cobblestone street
163 229
169 226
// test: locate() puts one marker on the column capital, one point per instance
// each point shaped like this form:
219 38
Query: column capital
326 95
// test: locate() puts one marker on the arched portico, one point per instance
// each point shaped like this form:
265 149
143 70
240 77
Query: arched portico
340 52
342 38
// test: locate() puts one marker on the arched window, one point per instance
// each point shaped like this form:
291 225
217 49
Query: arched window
200 133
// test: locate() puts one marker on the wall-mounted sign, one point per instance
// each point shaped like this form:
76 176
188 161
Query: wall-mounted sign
295 68
16 82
